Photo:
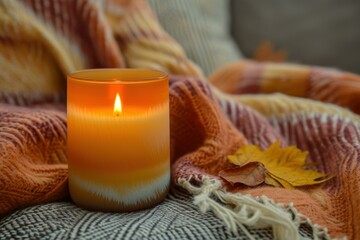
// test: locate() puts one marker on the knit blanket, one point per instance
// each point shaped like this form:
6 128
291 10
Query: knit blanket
314 108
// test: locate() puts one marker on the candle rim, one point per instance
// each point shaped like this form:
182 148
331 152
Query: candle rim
128 80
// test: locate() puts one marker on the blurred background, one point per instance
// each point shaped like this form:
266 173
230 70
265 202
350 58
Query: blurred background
213 32
41 40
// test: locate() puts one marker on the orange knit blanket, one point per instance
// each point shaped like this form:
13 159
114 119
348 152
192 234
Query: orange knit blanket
41 42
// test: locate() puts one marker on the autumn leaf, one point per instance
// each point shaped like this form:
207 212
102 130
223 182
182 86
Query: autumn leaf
276 181
284 165
251 174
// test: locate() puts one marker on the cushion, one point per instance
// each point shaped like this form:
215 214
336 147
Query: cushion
202 28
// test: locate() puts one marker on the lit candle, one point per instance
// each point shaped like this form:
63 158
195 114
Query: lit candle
118 138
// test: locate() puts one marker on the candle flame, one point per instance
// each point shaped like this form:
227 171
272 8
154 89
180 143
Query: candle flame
117 105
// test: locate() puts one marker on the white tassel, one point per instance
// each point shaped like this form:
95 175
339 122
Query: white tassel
237 210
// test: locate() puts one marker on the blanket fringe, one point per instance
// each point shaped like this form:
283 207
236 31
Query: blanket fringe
237 210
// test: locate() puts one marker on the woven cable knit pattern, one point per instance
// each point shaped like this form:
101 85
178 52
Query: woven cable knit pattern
190 105
172 219
40 45
33 158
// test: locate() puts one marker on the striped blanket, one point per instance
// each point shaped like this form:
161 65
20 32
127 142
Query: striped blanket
315 109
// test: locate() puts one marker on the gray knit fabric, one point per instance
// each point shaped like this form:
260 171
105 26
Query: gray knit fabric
319 32
202 28
176 218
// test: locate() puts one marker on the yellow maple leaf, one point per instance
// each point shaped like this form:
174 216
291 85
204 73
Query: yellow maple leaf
284 165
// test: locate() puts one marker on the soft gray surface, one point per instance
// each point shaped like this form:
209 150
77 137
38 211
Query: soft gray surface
176 218
319 32
202 28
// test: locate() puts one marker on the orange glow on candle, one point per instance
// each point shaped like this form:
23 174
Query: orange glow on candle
117 105
118 141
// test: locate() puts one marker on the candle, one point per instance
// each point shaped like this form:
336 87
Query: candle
118 138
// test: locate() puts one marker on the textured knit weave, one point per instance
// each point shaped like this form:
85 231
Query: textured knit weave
327 85
70 35
206 124
175 218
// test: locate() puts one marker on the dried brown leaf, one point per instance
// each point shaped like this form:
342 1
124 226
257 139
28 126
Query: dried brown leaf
251 174
284 165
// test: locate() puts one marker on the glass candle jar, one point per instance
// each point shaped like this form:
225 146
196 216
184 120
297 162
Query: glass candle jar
118 138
